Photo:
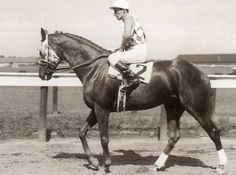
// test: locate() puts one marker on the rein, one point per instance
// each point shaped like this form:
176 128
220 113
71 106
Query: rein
89 62
82 65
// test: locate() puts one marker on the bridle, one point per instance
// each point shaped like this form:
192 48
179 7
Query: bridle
51 61
51 66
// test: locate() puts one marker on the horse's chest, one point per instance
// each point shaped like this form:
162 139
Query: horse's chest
104 99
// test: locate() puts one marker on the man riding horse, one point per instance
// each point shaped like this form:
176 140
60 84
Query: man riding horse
133 47
177 84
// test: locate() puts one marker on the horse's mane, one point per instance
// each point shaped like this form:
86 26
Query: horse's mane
87 42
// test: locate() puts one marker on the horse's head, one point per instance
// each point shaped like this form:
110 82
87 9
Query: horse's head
75 50
49 58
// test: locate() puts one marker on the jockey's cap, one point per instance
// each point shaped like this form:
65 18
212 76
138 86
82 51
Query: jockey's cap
122 4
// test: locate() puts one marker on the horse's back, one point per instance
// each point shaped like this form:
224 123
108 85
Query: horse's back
178 76
182 68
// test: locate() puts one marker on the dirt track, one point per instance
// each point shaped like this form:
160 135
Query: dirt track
129 156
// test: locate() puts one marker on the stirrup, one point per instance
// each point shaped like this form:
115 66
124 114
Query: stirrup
130 86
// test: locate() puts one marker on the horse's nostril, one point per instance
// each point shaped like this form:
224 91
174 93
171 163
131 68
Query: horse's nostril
40 53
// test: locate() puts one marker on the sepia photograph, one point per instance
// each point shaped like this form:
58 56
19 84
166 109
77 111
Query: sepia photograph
118 87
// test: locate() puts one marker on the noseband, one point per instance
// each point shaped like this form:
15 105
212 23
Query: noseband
49 64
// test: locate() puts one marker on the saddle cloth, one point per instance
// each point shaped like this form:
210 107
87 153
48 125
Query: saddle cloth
143 70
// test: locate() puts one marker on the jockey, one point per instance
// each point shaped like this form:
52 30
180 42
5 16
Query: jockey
133 47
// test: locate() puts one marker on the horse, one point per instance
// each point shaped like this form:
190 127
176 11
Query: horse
177 84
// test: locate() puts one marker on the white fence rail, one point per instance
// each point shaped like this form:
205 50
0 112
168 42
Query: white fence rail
69 79
32 79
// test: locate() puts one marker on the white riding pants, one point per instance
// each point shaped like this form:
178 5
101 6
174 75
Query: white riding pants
136 54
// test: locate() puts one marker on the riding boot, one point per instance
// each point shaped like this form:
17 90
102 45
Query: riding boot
129 75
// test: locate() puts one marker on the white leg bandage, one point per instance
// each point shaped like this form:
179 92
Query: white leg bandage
222 157
161 160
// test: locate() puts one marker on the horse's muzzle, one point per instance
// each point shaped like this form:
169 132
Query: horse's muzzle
43 73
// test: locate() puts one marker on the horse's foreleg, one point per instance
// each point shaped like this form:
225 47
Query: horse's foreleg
90 122
103 120
174 136
174 110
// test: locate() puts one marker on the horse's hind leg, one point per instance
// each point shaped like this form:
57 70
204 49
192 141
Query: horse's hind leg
200 109
214 133
174 110
90 122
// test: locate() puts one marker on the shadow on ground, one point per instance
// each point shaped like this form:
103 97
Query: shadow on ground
130 157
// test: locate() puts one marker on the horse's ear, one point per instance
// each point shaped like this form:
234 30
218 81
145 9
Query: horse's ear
44 34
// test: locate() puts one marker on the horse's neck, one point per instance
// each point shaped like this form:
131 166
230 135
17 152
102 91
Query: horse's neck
77 56
81 55
80 50
86 73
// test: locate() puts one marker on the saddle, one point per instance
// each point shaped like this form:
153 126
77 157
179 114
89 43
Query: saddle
143 72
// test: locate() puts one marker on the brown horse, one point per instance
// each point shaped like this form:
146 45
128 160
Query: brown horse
177 84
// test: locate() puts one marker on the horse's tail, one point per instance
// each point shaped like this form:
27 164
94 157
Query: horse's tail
193 87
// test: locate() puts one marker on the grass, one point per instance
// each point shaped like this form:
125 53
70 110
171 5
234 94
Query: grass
19 111
18 125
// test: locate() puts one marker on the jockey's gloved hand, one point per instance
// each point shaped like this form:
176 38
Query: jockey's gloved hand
117 50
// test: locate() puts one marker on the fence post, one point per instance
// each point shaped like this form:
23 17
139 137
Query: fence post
163 124
55 100
213 100
134 113
43 113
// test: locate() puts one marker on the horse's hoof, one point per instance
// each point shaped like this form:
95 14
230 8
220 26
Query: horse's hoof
220 169
107 169
91 167
159 168
107 165
94 163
